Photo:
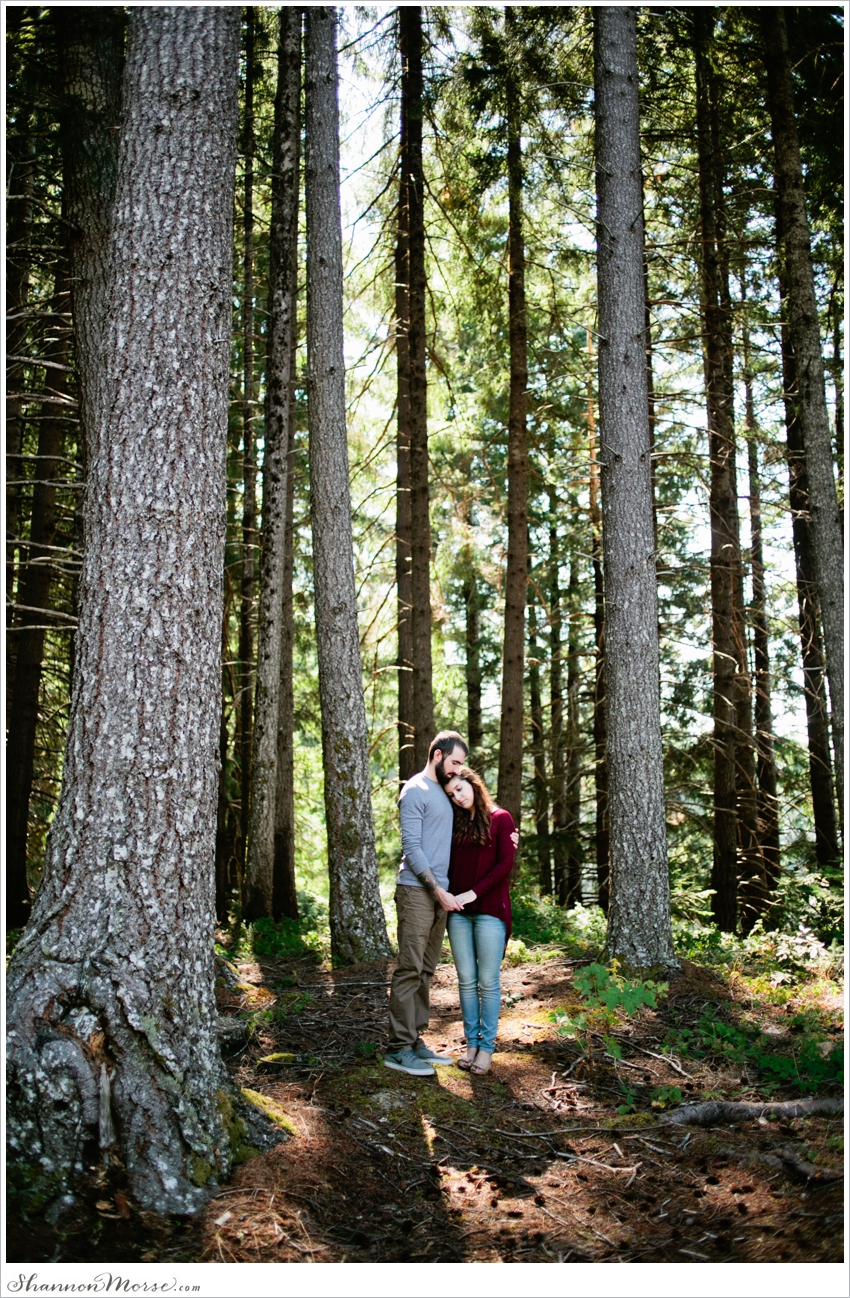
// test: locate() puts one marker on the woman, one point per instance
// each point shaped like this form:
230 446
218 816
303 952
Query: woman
483 849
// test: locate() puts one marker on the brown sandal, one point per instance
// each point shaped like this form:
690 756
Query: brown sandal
478 1070
466 1064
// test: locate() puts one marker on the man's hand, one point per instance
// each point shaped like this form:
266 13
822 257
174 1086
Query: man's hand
466 897
446 900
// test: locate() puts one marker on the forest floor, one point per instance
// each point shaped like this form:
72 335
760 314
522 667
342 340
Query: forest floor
561 1153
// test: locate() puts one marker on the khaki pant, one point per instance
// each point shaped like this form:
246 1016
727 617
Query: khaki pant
421 925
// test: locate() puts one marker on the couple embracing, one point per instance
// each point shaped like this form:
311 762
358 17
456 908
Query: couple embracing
458 853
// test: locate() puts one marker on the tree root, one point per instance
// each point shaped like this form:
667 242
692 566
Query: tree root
715 1112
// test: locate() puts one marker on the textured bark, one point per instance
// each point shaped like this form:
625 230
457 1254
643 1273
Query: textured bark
258 884
725 549
814 676
92 42
572 747
284 893
639 930
18 222
556 704
804 330
34 592
358 929
249 451
768 807
600 730
403 529
112 1019
513 657
538 754
410 34
723 1112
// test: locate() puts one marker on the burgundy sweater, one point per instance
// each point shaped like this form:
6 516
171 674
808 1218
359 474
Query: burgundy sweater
485 869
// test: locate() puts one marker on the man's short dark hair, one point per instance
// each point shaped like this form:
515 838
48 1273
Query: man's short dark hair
447 741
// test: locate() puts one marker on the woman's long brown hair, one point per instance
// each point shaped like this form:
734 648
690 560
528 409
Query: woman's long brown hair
474 826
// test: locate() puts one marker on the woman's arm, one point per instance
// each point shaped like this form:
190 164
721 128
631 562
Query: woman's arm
505 853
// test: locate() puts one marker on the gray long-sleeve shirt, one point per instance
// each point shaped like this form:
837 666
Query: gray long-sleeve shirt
427 818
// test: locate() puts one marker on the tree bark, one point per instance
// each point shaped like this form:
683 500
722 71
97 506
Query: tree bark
19 221
249 452
639 930
768 806
284 891
258 884
827 847
358 929
112 1018
804 331
472 606
725 550
556 709
34 592
538 753
600 730
513 657
410 36
404 530
573 748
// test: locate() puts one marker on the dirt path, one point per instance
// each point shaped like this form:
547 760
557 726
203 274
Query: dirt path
532 1163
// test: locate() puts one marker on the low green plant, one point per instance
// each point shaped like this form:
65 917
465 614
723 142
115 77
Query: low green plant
365 1049
812 1062
666 1097
601 986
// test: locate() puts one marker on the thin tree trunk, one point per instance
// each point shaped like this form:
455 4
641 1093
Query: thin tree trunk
358 929
249 451
538 753
34 595
19 221
223 878
768 807
556 709
725 552
838 382
804 330
404 530
573 748
513 658
600 729
112 1019
284 891
472 605
814 676
258 884
639 931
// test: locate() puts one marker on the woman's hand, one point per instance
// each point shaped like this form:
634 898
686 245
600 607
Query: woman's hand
465 897
515 838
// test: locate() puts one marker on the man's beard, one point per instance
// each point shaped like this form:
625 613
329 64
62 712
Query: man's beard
440 772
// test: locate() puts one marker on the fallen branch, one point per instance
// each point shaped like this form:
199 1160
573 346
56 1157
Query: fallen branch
715 1112
788 1157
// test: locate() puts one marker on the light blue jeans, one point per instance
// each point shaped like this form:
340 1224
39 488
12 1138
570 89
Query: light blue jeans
478 945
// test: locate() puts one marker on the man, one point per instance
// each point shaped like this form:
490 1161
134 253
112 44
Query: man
422 903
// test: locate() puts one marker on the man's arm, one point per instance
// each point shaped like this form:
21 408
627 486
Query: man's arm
411 817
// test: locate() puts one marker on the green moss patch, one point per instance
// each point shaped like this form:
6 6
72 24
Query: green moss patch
270 1110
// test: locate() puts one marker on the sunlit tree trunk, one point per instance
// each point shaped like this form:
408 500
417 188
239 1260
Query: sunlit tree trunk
572 747
538 753
403 527
639 930
600 731
513 657
556 709
258 884
284 893
804 331
358 929
112 1020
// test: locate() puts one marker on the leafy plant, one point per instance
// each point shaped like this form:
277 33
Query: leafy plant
666 1097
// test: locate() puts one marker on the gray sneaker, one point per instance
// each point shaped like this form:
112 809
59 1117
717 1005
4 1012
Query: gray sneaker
405 1061
430 1057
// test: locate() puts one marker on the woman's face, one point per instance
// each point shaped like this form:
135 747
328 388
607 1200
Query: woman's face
461 793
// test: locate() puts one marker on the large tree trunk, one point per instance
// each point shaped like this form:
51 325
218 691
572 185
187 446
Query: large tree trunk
602 836
572 747
804 330
403 528
34 591
725 550
112 1018
258 884
538 754
513 657
18 223
284 891
249 451
827 846
639 930
556 709
768 807
358 928
410 32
